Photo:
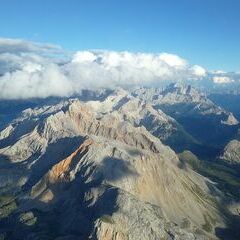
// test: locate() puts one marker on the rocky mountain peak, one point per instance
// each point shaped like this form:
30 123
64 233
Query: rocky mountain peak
104 162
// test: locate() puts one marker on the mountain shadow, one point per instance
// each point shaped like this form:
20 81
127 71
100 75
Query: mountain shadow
74 209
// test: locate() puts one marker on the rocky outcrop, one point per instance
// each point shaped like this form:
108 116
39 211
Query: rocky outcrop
186 100
179 195
231 153
231 120
97 170
144 221
206 122
139 113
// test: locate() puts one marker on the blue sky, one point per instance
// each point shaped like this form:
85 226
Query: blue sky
205 32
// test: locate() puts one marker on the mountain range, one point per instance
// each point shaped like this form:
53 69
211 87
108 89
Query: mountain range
138 163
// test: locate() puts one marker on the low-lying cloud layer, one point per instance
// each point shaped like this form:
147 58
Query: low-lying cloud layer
29 69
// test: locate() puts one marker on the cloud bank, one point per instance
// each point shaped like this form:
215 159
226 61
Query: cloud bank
8 45
29 70
222 79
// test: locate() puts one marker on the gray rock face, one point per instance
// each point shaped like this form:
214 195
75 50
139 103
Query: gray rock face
207 123
231 152
139 113
121 193
107 174
187 100
231 120
145 219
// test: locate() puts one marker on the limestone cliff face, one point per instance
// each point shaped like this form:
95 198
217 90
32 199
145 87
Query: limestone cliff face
106 231
207 123
179 194
231 152
60 171
186 99
107 174
139 113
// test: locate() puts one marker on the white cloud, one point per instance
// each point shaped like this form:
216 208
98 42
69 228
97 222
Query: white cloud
199 71
110 69
222 79
84 56
219 72
8 45
35 81
35 75
30 69
17 57
173 60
